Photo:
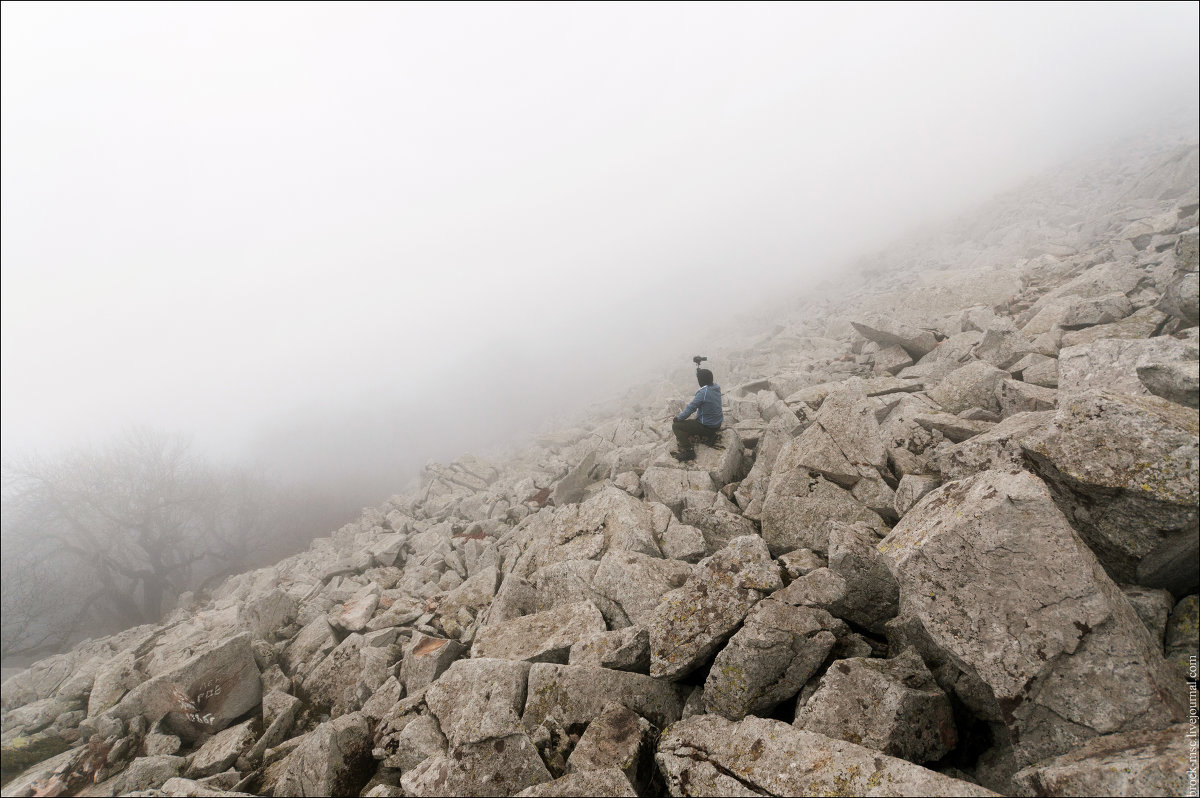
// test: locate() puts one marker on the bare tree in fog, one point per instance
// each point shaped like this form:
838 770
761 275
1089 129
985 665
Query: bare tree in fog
99 540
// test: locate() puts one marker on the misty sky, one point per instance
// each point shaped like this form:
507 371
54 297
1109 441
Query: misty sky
310 229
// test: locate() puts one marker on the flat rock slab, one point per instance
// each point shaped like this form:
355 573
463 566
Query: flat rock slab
575 695
709 755
1005 589
1133 763
1126 471
541 637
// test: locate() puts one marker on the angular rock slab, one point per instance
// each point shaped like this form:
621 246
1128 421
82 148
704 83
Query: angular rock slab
872 598
425 659
1005 589
889 332
541 637
479 699
1126 471
693 621
575 695
618 738
891 705
769 659
709 755
331 760
203 695
799 503
1133 763
1112 364
625 649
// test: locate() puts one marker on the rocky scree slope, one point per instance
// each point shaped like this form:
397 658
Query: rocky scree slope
947 546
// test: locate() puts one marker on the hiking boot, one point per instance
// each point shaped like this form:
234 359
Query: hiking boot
684 457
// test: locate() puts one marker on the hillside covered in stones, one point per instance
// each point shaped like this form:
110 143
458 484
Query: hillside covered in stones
947 545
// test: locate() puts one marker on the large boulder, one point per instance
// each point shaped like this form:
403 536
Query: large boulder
1131 763
769 659
998 448
799 502
890 705
496 767
1002 587
201 696
1112 364
635 584
693 621
709 755
972 385
618 738
1125 470
479 699
331 760
872 598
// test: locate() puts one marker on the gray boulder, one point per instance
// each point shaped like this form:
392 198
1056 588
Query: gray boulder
576 695
331 760
1015 397
479 699
973 385
890 705
500 766
618 738
541 637
997 449
625 649
768 660
1152 606
221 750
1062 656
872 598
1125 470
911 489
1174 380
891 332
709 755
425 659
1182 639
1131 763
1112 364
202 695
692 622
799 503
634 584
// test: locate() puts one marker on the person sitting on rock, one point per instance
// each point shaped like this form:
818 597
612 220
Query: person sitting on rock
707 407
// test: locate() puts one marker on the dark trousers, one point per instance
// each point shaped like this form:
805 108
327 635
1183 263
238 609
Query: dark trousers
690 428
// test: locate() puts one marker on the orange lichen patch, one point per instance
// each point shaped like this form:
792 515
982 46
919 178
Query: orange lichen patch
470 535
428 646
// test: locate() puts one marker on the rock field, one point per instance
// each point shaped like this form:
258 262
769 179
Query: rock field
947 545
